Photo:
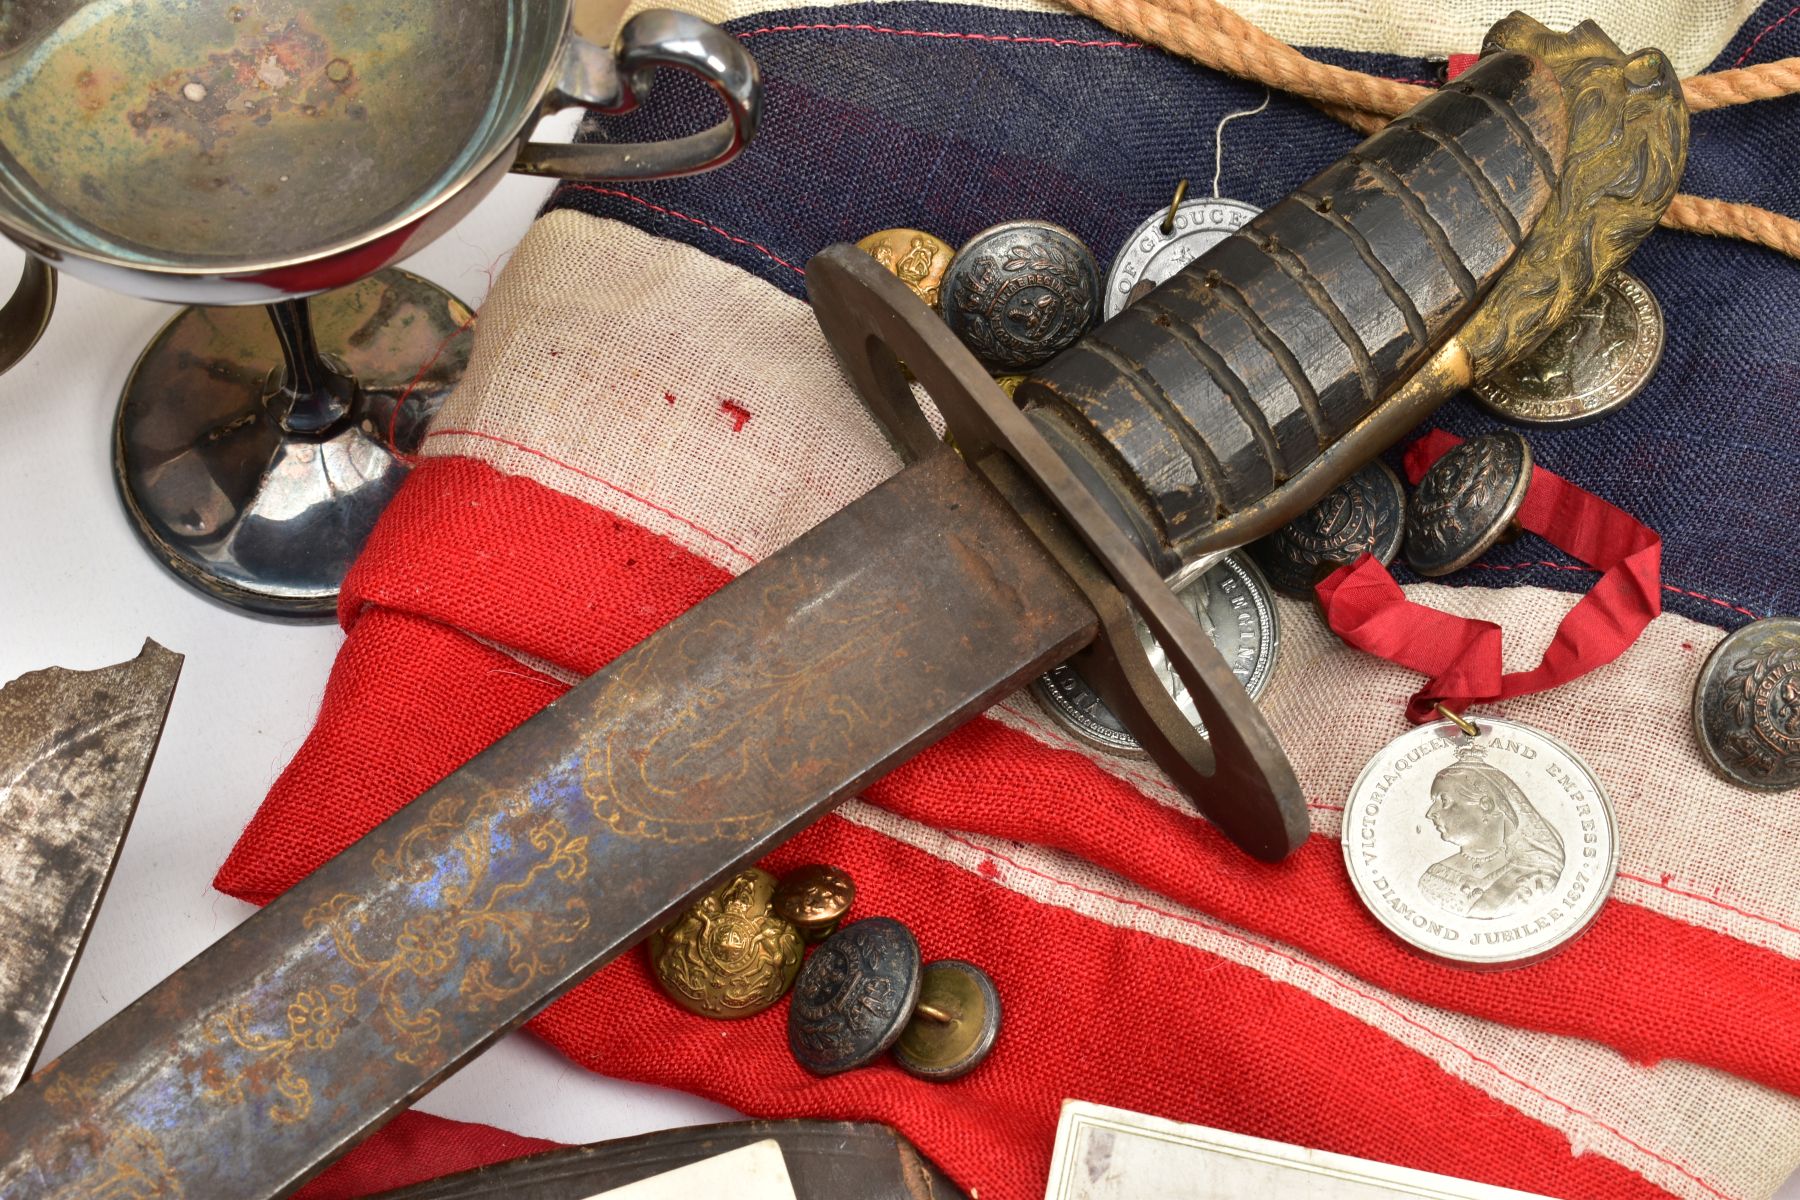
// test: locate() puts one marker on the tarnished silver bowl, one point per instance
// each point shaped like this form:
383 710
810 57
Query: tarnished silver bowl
243 152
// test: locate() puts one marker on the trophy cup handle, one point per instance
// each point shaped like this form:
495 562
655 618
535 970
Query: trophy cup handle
25 316
614 81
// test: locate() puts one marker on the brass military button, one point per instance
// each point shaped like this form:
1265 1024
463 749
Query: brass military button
1365 513
814 900
1747 705
954 1024
918 258
1019 294
729 955
1009 383
854 996
1467 502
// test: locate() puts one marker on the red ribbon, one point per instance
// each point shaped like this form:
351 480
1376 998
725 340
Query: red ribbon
1364 606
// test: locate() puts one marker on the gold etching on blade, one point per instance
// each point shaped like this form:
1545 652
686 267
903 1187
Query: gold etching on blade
479 929
133 1168
725 763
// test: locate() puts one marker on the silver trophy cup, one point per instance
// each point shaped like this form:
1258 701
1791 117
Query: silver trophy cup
260 152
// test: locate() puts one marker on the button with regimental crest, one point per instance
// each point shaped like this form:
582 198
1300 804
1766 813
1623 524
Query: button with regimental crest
1364 514
813 899
954 1024
1467 502
1019 294
854 996
918 258
1747 705
729 955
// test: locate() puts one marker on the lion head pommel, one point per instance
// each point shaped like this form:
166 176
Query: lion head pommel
1627 146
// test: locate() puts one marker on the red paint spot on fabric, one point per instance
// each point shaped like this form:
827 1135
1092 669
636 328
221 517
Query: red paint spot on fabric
740 416
670 397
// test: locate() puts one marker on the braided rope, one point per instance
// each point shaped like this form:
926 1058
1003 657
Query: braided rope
1214 36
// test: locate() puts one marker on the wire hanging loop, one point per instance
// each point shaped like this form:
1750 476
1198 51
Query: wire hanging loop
1219 140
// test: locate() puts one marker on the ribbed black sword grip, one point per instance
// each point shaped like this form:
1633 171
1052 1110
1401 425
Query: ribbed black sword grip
1205 396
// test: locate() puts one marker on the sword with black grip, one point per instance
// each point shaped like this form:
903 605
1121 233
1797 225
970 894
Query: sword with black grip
1268 371
1241 390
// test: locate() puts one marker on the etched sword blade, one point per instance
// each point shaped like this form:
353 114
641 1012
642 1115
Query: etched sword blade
553 851
74 749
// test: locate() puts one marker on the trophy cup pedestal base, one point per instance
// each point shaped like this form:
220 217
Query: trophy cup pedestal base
225 493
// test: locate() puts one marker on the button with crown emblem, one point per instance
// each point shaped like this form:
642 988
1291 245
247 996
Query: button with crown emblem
1467 502
1020 293
1364 514
918 258
864 992
729 955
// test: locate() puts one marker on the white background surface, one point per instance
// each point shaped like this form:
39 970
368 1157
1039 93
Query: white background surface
77 590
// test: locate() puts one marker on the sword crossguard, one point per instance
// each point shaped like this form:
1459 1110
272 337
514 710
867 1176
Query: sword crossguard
1240 779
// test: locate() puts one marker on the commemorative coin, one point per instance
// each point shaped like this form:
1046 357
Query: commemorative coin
1152 253
1747 705
1590 365
1234 607
1493 850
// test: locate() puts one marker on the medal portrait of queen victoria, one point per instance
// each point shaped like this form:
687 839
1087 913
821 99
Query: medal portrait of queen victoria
1507 854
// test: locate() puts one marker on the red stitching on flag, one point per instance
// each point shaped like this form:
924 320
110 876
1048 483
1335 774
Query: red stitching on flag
724 233
1667 587
1348 987
1666 886
1751 48
939 33
736 413
606 483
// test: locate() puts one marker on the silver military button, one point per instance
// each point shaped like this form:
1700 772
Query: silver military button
1019 294
854 996
1233 605
1747 705
1364 514
1167 242
1467 502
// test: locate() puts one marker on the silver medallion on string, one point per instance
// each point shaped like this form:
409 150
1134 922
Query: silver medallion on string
1167 242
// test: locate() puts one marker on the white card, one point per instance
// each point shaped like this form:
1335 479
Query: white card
1112 1154
753 1172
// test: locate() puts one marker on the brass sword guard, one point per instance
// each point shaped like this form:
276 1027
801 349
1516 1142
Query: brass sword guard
1241 780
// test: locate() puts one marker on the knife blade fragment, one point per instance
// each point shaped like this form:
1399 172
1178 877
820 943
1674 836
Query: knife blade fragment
75 747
